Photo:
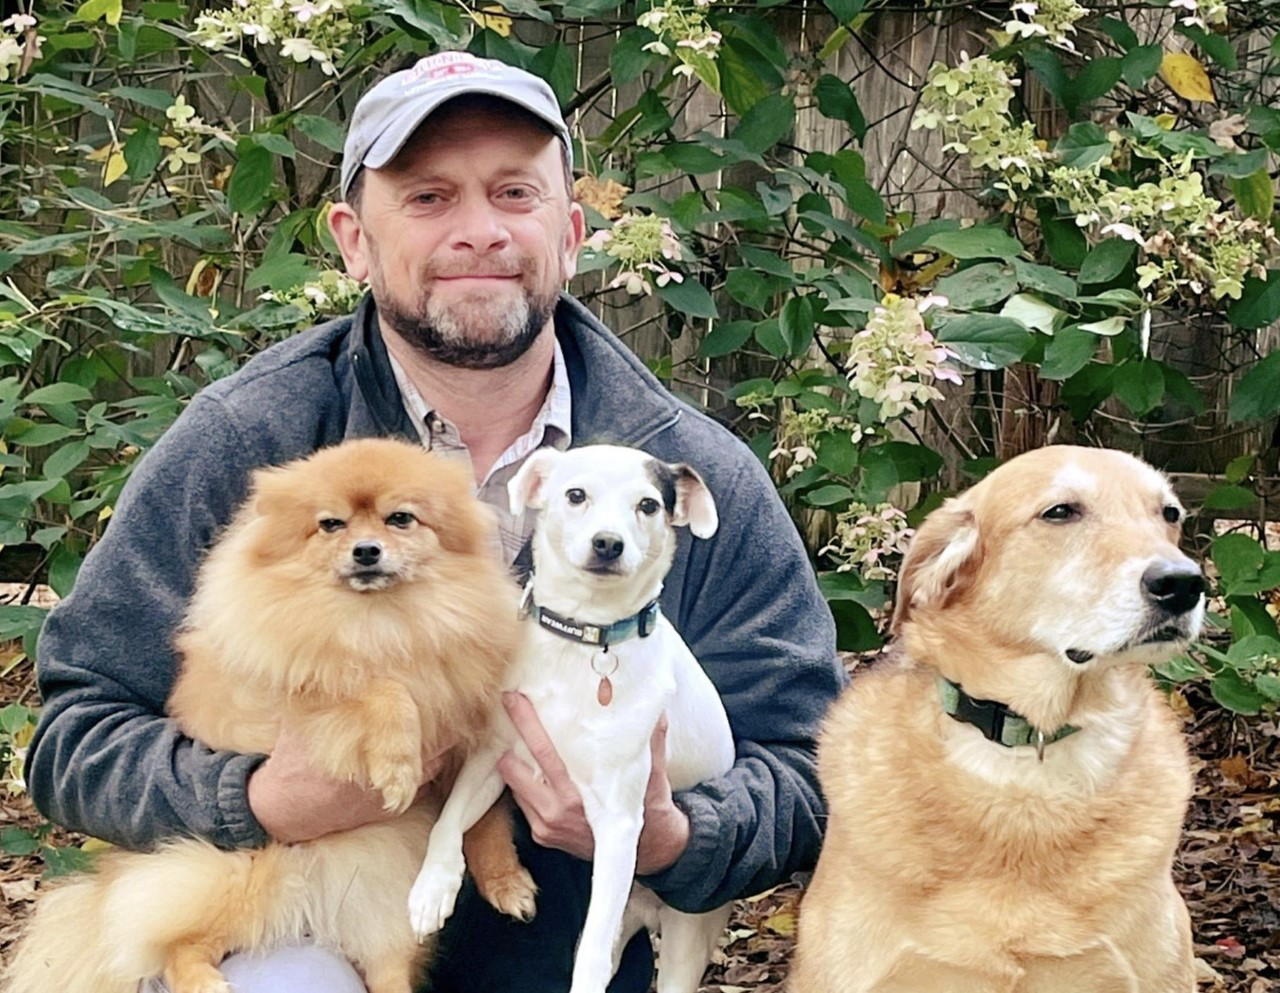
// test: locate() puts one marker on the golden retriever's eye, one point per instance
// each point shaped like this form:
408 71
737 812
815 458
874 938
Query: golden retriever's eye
1060 512
400 519
1172 514
576 496
332 524
648 506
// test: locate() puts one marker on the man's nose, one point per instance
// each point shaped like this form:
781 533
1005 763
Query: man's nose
479 226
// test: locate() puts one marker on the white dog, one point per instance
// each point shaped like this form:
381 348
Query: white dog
601 665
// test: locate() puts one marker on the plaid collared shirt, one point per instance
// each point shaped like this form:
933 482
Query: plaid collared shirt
551 427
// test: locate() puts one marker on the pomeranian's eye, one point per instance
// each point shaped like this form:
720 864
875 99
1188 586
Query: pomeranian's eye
400 519
576 496
648 506
1060 513
1172 514
332 524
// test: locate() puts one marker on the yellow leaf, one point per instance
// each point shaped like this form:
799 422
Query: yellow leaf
114 169
1166 122
105 514
1186 77
783 923
95 845
101 154
493 19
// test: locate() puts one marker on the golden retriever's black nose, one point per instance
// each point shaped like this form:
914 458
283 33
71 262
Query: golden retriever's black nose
607 545
1174 586
366 553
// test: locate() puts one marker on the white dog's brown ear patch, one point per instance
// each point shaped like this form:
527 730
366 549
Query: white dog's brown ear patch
688 500
528 486
939 561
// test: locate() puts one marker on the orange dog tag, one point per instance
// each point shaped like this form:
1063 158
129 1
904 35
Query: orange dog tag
604 692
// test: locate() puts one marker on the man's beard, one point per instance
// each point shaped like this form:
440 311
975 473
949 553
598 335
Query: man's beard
474 334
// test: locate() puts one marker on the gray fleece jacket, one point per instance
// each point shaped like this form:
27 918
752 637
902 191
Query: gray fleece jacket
105 759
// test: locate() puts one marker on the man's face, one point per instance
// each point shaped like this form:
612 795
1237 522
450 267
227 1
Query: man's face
466 236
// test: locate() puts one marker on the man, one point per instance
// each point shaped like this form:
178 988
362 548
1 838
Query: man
457 209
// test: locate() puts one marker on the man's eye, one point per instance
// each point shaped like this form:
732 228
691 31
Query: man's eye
400 519
332 524
427 199
648 506
576 496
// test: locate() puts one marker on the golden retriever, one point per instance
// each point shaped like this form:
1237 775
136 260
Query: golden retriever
357 599
1034 857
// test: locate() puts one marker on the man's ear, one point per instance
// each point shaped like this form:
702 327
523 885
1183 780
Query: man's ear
694 503
347 231
575 233
528 487
940 562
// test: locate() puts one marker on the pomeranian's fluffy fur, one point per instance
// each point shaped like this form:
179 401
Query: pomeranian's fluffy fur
358 599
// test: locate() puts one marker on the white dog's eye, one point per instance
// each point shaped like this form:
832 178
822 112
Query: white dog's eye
1172 514
576 496
648 506
400 519
332 524
1060 512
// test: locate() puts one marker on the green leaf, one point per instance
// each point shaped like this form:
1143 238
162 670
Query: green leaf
1045 279
276 144
979 287
251 179
689 297
1063 239
855 630
73 93
1268 685
1032 312
64 566
142 152
1141 64
746 77
844 11
557 65
18 841
837 453
1257 395
1048 68
627 58
1229 498
321 130
1107 260
65 459
281 272
725 338
1215 46
1095 80
1259 304
100 10
981 242
692 158
796 324
766 123
830 495
156 99
1140 386
985 342
837 100
1239 165
1255 196
1067 352
1118 31
527 8
768 334
1231 690
1237 558
1085 144
58 393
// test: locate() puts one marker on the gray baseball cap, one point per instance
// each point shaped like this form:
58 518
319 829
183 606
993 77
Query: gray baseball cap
389 113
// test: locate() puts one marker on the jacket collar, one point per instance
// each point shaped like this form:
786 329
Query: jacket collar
609 385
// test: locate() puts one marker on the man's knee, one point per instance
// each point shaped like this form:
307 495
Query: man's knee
284 970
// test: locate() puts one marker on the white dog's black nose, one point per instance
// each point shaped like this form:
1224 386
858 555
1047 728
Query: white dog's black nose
607 545
1174 586
366 553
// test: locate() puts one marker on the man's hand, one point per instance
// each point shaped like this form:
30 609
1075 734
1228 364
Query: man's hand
295 802
553 807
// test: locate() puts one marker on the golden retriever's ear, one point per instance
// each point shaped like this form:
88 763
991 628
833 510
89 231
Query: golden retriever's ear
526 488
694 504
939 562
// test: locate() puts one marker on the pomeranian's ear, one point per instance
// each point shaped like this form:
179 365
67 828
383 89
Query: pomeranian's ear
463 524
940 562
528 487
694 505
271 517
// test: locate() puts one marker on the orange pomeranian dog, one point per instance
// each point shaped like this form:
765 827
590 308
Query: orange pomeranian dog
355 599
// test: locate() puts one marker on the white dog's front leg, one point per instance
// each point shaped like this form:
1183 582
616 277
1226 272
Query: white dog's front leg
436 889
616 821
688 941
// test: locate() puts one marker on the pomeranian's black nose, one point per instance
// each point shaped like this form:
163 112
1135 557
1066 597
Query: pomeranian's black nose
366 553
1174 586
607 545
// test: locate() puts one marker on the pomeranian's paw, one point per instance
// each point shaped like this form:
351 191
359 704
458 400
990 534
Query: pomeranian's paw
432 898
397 779
196 978
513 893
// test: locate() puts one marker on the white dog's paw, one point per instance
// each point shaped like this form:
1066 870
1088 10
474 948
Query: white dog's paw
432 898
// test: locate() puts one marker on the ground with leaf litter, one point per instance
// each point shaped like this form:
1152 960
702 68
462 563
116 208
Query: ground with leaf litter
1228 868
